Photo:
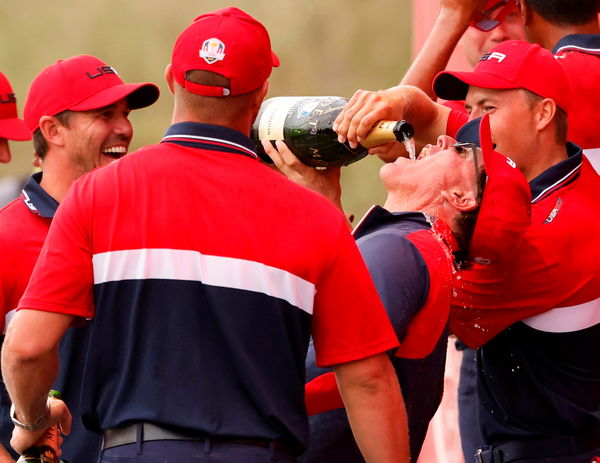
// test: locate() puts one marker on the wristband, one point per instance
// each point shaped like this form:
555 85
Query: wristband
39 424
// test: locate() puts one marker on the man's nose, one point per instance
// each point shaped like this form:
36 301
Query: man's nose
123 127
445 142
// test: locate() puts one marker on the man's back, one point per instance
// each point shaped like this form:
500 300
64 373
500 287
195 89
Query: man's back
210 261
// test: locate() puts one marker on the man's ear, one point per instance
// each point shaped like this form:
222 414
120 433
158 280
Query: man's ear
546 112
169 77
462 201
52 130
525 12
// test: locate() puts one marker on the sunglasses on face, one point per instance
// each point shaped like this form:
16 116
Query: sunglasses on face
492 17
471 149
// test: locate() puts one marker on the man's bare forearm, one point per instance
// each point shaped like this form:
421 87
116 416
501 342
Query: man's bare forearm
437 50
375 408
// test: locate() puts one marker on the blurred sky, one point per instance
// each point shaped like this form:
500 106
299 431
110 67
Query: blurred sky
326 47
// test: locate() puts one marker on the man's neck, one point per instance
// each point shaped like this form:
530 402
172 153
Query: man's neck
544 158
548 34
56 179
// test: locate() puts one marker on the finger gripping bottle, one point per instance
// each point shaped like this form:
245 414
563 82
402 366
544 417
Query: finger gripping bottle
305 124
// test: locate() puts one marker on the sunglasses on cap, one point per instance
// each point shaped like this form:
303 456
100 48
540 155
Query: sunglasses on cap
490 18
466 149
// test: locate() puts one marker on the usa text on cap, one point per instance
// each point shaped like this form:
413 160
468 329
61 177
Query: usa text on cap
510 65
81 83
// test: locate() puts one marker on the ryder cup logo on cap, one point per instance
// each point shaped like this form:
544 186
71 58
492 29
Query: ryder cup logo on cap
212 50
227 42
81 83
510 65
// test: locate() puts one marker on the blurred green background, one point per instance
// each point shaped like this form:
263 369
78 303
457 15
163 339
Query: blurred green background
326 47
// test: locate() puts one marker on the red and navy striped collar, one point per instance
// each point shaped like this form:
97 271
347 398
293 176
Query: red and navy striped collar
557 176
36 199
210 137
584 43
377 216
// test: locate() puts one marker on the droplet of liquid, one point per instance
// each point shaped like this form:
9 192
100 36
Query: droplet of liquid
409 144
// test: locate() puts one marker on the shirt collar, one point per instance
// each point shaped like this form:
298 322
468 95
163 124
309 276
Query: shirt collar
558 175
585 43
36 199
210 137
378 216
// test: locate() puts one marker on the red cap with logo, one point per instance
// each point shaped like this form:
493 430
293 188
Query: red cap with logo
228 42
81 83
511 64
11 127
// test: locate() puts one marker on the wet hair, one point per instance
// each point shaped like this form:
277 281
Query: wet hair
464 225
566 12
40 145
560 117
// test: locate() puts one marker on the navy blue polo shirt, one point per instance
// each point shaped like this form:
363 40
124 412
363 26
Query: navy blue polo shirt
403 281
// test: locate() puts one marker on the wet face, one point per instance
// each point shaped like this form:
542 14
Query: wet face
98 137
4 151
512 121
475 42
440 169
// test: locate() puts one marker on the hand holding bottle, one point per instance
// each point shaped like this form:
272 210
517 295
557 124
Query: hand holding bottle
325 182
59 421
364 109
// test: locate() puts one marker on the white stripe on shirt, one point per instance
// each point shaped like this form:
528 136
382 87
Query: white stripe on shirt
228 272
567 319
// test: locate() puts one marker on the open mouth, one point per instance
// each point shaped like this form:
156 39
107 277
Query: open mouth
115 152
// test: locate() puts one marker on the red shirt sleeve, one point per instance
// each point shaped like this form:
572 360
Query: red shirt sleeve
349 324
456 119
322 394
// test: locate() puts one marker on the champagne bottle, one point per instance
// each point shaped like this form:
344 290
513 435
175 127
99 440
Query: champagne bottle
45 449
305 125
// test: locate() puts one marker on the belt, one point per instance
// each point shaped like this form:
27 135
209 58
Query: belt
144 432
553 447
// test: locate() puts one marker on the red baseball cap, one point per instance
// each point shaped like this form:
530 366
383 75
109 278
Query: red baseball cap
510 64
505 210
493 13
11 127
81 83
228 42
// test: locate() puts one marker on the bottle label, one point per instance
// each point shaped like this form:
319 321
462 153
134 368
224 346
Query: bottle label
274 114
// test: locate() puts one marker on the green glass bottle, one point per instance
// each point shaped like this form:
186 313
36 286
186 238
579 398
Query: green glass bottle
305 125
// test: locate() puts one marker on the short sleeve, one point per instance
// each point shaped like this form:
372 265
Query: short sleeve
62 280
349 320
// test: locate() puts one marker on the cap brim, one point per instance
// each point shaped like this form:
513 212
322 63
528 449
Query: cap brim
138 96
455 85
275 59
14 129
505 211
